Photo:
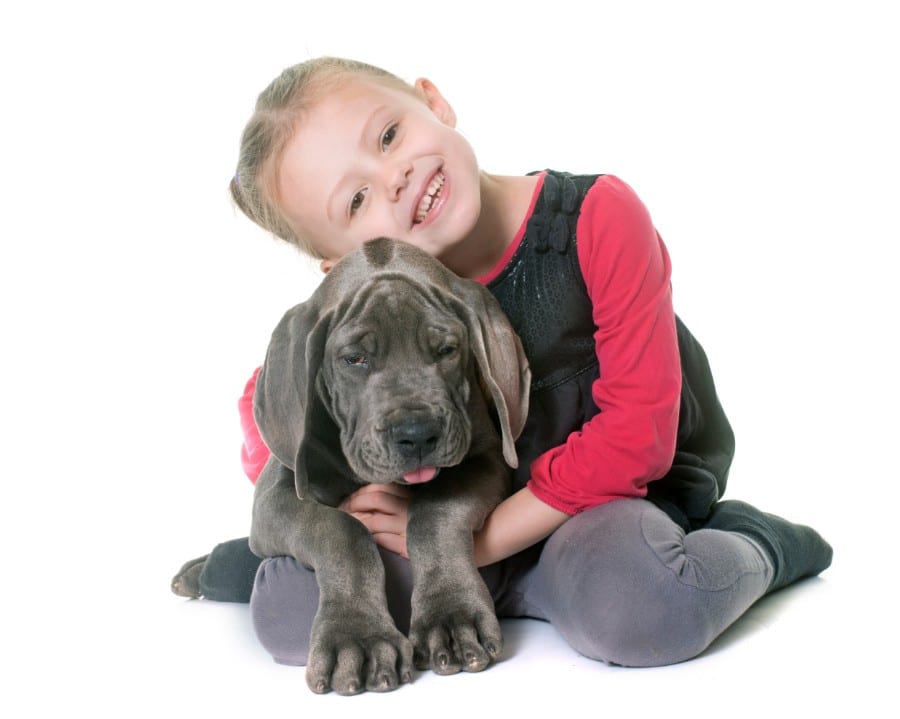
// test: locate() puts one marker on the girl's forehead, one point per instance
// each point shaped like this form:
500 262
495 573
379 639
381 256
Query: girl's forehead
343 113
332 132
361 90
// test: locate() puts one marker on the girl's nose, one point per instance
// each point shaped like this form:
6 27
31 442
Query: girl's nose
398 179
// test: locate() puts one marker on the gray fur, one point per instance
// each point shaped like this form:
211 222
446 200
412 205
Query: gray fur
392 364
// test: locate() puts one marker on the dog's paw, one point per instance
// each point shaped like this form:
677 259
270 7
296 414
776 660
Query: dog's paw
353 655
456 636
186 583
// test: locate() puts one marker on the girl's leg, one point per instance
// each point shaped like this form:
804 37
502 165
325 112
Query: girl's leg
224 575
796 551
284 601
286 597
624 584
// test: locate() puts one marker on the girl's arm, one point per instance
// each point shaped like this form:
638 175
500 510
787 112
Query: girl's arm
518 522
631 441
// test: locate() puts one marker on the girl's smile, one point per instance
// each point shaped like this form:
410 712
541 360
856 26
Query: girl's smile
432 200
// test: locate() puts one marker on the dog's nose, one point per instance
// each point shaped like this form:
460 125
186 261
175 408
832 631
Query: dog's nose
416 436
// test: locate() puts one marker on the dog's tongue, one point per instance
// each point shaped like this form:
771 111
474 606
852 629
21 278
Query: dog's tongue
422 474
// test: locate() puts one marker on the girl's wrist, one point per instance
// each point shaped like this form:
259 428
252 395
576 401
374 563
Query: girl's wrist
517 523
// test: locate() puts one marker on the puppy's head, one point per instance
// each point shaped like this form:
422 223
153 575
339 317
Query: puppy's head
397 376
379 367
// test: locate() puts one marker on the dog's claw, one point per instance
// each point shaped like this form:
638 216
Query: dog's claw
476 662
384 683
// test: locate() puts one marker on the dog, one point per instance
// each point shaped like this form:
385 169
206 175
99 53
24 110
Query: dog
395 370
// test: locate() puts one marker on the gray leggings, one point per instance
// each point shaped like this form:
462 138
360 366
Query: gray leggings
622 583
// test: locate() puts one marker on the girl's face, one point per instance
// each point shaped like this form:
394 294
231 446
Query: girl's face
372 160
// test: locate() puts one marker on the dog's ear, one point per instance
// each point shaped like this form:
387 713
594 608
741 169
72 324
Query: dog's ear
287 407
501 360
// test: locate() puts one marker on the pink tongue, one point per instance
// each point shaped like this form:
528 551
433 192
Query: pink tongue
422 474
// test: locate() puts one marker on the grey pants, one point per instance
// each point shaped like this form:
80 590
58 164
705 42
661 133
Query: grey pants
622 583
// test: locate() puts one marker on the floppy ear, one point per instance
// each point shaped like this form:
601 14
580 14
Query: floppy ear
286 404
501 360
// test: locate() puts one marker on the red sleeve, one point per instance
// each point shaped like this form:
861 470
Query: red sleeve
632 440
254 453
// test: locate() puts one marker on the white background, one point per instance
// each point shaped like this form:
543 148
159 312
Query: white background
136 301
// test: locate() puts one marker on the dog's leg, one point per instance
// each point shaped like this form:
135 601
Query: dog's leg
354 645
454 624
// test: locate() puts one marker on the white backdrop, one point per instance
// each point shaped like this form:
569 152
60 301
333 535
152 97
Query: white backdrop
136 301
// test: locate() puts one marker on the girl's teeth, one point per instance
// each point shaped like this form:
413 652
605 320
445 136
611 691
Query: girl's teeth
431 194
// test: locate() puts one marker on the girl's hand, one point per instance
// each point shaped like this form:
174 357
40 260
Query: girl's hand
383 509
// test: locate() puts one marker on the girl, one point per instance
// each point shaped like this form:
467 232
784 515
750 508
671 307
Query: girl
615 532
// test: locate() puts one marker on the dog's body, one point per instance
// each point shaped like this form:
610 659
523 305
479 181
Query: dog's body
395 370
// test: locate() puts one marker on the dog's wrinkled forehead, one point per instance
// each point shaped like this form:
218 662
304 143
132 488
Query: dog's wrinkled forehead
386 278
392 306
387 256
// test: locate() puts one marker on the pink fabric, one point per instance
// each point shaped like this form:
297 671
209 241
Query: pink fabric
254 453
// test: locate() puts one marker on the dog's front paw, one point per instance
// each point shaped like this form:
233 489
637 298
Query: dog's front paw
351 653
451 632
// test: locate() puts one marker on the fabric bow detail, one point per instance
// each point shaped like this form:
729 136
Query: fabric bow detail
554 223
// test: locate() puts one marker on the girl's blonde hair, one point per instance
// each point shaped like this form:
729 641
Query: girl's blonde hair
254 187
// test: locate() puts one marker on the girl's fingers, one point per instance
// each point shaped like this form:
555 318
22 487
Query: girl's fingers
386 502
387 531
393 543
383 510
378 523
390 488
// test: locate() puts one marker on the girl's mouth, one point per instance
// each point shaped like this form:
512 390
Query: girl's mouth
430 198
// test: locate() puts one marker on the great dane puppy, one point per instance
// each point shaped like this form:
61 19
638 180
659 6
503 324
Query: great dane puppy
395 370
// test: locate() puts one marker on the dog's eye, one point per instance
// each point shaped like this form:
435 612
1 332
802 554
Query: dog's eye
355 360
446 351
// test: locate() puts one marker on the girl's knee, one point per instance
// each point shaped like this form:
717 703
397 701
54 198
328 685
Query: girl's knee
286 598
284 603
635 632
616 598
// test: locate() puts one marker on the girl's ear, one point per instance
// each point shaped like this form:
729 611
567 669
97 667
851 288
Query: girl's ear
436 102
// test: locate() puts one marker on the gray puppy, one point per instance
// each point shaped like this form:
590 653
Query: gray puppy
395 370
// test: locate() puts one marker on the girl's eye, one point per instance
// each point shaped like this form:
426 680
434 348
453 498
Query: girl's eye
388 137
357 201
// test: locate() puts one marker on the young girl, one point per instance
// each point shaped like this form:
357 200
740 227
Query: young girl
615 532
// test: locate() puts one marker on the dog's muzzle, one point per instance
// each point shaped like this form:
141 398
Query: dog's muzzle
414 437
